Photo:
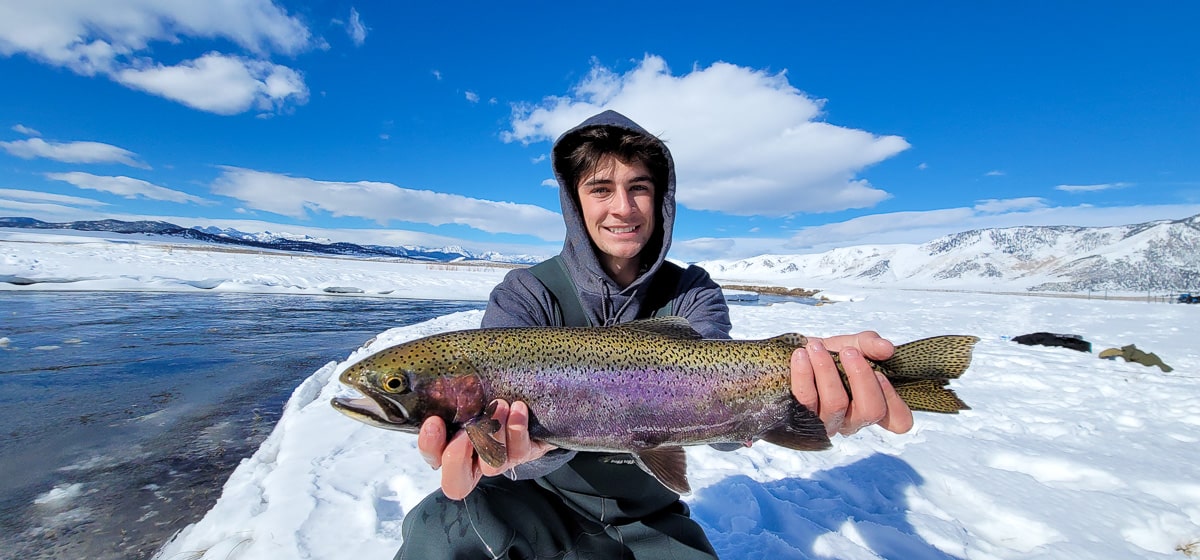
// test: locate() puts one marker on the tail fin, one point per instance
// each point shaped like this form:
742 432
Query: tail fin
930 395
921 369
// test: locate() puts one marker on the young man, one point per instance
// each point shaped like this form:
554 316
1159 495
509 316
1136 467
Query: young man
617 189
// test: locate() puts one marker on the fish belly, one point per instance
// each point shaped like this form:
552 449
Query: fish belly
639 408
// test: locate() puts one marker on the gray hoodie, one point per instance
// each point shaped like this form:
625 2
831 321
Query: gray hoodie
521 299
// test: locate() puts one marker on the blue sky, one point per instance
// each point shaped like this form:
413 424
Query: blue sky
796 127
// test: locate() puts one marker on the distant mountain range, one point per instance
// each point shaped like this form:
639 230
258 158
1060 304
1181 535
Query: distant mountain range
1160 256
273 241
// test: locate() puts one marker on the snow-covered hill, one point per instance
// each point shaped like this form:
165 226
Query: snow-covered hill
276 241
1161 256
1154 256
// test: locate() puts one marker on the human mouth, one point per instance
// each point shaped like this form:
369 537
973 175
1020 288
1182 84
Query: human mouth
619 230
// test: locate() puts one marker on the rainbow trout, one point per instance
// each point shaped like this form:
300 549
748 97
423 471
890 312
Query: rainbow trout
646 388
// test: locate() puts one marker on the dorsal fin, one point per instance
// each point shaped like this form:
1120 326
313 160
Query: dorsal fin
795 340
671 326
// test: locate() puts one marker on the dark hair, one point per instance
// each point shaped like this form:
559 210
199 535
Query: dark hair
584 149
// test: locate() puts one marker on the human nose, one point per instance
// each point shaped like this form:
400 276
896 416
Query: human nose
621 203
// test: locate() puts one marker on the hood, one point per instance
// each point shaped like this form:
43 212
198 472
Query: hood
580 256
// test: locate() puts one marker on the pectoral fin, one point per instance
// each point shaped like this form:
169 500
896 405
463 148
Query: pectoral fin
481 431
668 465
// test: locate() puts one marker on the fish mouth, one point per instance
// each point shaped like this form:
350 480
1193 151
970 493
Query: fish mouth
379 412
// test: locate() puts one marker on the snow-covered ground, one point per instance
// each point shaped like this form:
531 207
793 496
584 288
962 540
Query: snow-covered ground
73 260
1063 455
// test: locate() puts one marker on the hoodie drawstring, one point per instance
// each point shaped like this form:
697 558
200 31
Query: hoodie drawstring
611 318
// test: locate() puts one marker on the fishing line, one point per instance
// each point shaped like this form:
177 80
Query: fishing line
471 520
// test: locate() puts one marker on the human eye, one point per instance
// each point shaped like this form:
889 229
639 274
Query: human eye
598 190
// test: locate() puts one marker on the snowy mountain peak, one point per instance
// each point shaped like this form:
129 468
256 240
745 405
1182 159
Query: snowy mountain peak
1154 256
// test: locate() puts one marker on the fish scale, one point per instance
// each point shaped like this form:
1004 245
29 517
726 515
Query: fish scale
646 388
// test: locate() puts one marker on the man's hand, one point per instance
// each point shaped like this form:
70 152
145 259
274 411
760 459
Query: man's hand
817 385
461 467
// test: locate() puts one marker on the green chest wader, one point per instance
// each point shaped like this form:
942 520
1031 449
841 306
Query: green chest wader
603 486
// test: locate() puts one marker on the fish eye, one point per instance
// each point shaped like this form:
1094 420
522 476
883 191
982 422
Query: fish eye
394 384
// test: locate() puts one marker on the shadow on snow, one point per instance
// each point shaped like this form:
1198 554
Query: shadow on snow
787 518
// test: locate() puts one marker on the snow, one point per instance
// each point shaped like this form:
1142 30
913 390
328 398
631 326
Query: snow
1063 455
107 261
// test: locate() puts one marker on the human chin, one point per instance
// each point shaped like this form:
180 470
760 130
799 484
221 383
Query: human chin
623 249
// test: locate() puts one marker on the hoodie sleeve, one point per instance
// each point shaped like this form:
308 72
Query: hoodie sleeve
520 300
702 303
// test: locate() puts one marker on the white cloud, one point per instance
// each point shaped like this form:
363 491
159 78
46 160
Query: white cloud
127 187
356 28
72 152
994 173
1091 188
878 225
297 197
552 183
472 97
923 166
745 141
994 206
221 84
25 130
46 211
437 75
35 196
115 38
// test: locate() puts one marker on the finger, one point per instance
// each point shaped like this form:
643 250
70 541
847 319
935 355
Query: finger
460 472
834 400
501 413
431 441
804 386
868 405
875 347
519 446
872 345
899 418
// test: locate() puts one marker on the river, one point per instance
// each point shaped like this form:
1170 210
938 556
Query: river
122 414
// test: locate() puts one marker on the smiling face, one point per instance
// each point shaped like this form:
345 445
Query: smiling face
617 203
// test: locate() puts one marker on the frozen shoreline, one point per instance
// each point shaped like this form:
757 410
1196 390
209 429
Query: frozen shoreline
101 261
1062 455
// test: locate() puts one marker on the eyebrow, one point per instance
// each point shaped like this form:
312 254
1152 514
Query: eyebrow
595 181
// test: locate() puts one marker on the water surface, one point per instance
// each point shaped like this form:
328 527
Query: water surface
122 414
